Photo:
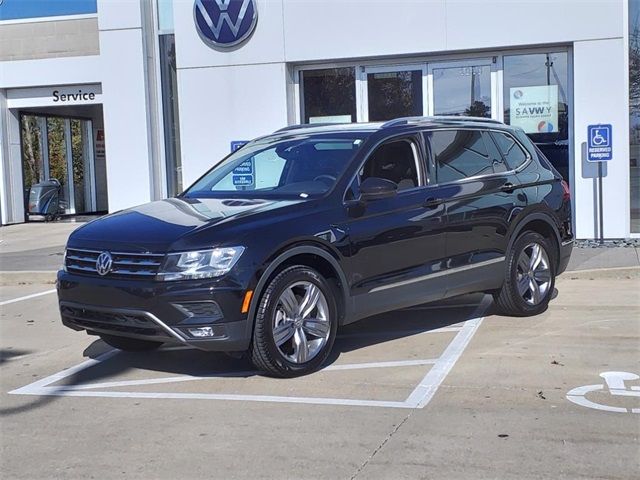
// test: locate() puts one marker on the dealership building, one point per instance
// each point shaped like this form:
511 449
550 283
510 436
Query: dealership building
128 101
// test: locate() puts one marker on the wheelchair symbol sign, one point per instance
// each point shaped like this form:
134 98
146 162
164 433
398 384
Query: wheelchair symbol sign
615 384
599 145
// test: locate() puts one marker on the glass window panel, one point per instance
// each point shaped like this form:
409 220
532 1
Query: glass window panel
58 158
536 93
395 161
78 162
462 90
329 95
634 112
165 15
494 154
530 82
32 154
460 154
512 152
394 94
281 168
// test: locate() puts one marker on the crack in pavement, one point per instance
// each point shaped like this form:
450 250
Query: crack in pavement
381 446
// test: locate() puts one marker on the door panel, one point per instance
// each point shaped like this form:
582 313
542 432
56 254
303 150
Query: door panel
481 196
395 242
478 219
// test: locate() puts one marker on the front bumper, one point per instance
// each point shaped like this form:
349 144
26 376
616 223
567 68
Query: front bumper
158 311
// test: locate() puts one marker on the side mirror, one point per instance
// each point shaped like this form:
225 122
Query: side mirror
374 188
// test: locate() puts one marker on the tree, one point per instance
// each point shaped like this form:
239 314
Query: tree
478 109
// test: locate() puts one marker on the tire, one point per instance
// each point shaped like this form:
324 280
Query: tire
294 334
129 344
529 281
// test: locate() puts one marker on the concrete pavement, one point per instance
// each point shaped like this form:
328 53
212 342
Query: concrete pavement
501 412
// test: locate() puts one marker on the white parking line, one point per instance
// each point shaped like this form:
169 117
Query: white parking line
419 397
248 373
26 297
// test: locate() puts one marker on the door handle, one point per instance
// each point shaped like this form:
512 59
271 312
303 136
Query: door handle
432 202
508 187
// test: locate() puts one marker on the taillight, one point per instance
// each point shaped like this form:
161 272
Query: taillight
566 191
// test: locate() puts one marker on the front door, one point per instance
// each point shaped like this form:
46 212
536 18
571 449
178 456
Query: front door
395 242
393 91
60 148
462 88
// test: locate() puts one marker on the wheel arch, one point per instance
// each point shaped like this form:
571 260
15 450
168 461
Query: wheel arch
313 256
542 223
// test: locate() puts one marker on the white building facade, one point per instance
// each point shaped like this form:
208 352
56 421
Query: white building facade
130 100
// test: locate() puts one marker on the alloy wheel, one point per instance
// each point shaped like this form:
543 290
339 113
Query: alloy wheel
301 324
533 273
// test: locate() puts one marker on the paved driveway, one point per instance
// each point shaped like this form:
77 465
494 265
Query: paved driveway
440 391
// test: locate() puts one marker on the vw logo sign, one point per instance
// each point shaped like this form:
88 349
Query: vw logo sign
225 23
104 263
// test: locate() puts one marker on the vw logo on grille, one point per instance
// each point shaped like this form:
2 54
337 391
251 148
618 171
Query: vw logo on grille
104 263
225 23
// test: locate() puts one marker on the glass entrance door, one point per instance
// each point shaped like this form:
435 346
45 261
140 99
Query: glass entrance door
60 148
462 89
393 91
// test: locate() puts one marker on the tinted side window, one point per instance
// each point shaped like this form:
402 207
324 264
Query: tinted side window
461 154
513 153
396 161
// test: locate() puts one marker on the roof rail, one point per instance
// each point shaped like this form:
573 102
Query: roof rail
305 125
439 118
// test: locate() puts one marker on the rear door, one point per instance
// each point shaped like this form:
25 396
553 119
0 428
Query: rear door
481 194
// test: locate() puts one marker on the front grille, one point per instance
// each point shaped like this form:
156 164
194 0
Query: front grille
125 265
110 321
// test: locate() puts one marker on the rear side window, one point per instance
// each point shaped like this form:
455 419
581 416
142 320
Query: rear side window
512 152
461 154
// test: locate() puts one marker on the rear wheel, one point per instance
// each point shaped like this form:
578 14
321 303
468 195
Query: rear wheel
530 277
129 344
295 324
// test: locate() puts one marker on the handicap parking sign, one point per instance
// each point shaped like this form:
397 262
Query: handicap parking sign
243 174
599 143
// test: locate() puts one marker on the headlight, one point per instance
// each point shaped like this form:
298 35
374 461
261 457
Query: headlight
199 264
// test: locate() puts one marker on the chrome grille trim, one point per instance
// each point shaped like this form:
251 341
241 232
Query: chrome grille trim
125 264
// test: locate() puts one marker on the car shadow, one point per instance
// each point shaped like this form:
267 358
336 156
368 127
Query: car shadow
177 360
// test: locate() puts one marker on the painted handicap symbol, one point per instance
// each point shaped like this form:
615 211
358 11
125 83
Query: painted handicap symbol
615 382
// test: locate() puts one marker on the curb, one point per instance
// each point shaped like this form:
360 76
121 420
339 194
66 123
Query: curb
597 273
27 277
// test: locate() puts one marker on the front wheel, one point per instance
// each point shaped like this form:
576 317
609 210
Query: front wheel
129 344
530 277
295 324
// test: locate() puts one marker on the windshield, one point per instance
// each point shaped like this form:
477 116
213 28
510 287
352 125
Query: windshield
303 166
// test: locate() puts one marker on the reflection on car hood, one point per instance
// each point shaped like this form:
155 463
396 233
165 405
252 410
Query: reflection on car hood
155 226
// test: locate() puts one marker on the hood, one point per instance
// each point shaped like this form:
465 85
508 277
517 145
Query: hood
155 226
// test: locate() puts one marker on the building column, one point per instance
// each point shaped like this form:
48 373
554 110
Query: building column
11 186
131 163
600 95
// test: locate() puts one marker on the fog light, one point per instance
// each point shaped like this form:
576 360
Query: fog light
201 332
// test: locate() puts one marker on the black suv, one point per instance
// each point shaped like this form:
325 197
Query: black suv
314 227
